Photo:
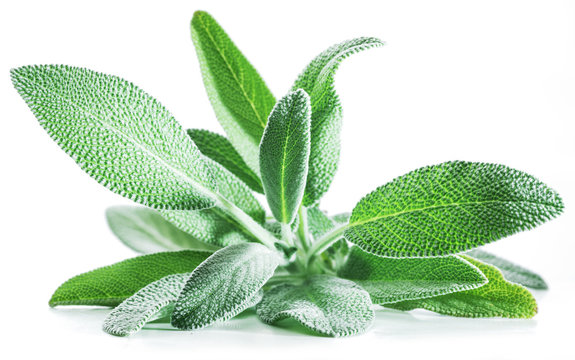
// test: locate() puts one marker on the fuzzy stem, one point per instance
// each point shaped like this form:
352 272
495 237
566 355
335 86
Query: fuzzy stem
302 229
325 242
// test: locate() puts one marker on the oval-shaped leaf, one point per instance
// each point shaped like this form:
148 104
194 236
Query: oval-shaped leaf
450 208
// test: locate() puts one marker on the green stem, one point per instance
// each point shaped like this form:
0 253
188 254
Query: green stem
303 229
325 242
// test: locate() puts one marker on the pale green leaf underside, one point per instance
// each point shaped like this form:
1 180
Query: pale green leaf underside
284 155
498 298
118 134
224 285
110 285
512 272
146 231
450 208
392 280
317 80
239 96
326 304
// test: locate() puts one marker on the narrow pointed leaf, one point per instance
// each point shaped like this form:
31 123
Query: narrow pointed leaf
239 96
393 280
450 208
498 298
219 149
512 272
110 285
118 134
326 304
317 80
224 285
284 155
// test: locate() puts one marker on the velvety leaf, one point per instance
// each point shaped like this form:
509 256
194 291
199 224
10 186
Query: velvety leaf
239 96
498 298
392 280
284 155
118 134
110 285
224 285
450 208
318 222
317 80
341 219
326 304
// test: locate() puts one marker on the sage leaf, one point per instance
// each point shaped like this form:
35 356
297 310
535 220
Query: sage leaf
219 149
512 272
118 134
450 208
341 219
498 298
224 285
110 285
317 79
284 155
325 304
319 223
239 96
393 280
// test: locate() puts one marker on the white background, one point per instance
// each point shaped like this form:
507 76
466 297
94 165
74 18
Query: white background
489 81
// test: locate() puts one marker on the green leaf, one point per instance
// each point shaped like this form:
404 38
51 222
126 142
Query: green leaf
118 134
110 285
219 149
326 304
317 80
227 283
450 208
498 298
239 96
318 222
145 305
284 155
146 231
512 272
341 219
392 280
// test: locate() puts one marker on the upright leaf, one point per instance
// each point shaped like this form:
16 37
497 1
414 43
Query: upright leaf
392 280
317 80
450 208
284 155
326 304
118 134
110 285
239 96
227 283
498 298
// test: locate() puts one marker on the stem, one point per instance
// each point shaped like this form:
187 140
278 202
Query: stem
302 229
325 242
287 235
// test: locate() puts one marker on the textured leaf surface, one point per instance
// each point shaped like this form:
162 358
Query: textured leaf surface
512 272
224 285
392 280
284 155
118 134
342 218
317 80
498 298
134 312
219 149
318 222
110 285
450 208
326 304
239 96
146 231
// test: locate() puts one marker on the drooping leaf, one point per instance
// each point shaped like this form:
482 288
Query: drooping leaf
219 149
512 272
110 285
239 96
284 155
118 134
497 298
393 280
326 304
146 304
317 80
146 231
227 283
450 208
